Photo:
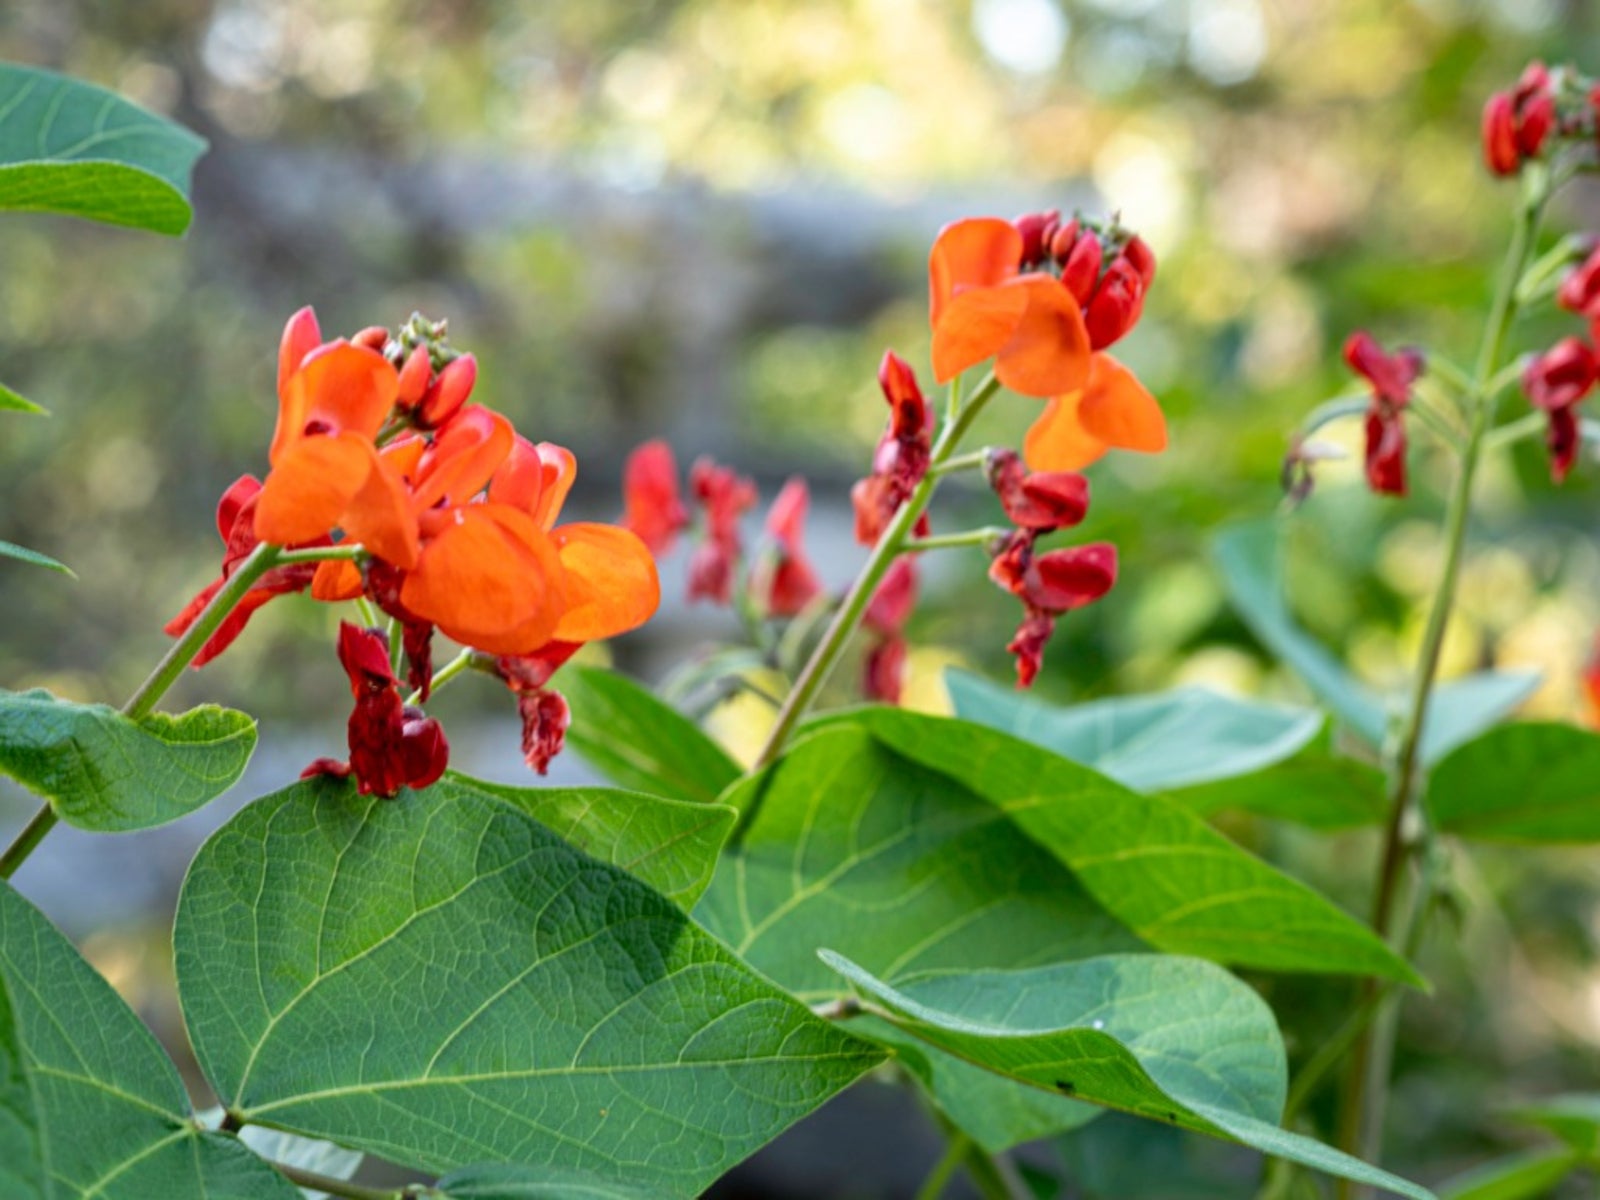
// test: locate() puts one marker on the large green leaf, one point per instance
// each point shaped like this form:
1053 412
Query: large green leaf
1524 1176
851 845
1575 1119
10 401
22 1170
114 1118
1536 782
1172 1039
530 1183
670 844
103 771
1317 787
70 147
1248 557
440 980
1157 867
1149 743
641 742
23 554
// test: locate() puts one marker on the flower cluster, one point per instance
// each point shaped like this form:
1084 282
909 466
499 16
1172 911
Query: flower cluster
1044 300
1557 380
454 513
1052 582
1390 377
1546 110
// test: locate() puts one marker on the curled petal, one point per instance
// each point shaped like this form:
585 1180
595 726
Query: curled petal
310 486
1048 351
380 516
611 583
977 253
1061 580
300 337
464 457
338 388
489 578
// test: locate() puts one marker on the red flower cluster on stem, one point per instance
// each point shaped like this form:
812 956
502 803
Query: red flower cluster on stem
1391 377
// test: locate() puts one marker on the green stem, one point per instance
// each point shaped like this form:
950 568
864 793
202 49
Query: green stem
826 656
975 460
955 1153
995 1176
1361 1121
178 656
301 1177
467 660
1513 432
953 541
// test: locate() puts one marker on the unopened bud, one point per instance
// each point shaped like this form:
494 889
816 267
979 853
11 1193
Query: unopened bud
1036 230
448 392
414 378
373 337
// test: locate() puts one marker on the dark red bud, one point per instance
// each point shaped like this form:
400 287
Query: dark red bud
1116 305
1500 135
1080 272
1142 259
1036 230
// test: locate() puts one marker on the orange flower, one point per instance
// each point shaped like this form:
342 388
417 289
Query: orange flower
333 399
982 305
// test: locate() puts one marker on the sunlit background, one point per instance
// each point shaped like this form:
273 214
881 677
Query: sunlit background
705 220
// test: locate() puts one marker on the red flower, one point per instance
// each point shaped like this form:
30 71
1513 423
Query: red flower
726 496
391 746
1580 290
1516 123
786 581
544 712
1048 585
1041 500
652 505
1391 377
236 523
883 670
901 459
1557 381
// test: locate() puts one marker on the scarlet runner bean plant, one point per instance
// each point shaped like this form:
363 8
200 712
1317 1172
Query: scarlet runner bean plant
623 992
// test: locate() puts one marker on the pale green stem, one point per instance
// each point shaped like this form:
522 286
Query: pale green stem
1513 432
826 656
467 660
976 460
986 536
145 697
1361 1122
955 1153
369 614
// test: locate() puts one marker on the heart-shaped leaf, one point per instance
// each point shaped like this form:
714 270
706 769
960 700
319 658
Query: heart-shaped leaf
73 148
440 980
106 772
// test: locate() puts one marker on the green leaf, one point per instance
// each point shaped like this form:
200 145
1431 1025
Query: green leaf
1534 782
440 980
23 554
113 1113
1172 1039
670 844
1463 708
854 846
10 401
22 1172
640 742
1523 1176
531 1183
1247 555
1149 743
1316 787
993 1111
73 148
1158 868
1575 1119
109 773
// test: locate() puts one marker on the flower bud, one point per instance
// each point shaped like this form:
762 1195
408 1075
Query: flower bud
373 337
1116 305
1036 230
414 378
448 392
1080 269
1580 290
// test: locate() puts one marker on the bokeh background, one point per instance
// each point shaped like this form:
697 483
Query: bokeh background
705 220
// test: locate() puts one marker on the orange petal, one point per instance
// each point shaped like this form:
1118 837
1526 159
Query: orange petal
974 326
309 487
977 253
520 478
559 467
380 516
491 578
465 454
300 337
1057 441
1117 409
336 579
1048 354
611 581
339 386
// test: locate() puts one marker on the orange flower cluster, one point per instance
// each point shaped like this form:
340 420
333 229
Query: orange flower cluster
456 513
1043 300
